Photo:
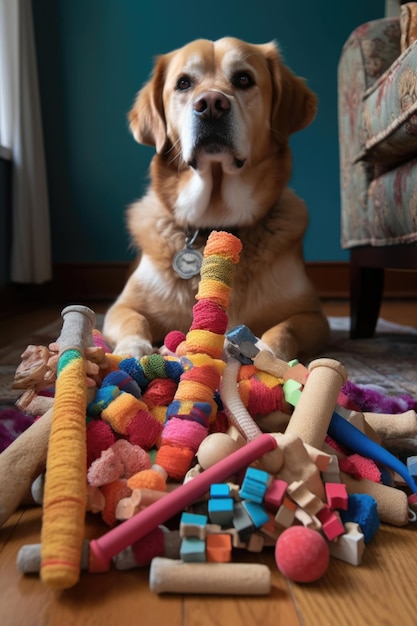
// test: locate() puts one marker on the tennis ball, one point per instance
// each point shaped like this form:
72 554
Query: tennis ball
302 554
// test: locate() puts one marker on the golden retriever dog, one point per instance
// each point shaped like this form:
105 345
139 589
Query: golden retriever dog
220 115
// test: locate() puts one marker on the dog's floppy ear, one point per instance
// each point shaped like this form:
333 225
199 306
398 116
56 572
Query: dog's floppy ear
146 117
294 105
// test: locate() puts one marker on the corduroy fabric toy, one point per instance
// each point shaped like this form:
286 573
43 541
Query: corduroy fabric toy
65 495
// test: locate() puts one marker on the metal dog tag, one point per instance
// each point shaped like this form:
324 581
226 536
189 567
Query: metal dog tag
187 262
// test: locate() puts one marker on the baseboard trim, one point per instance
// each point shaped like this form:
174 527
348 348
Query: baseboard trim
85 282
332 281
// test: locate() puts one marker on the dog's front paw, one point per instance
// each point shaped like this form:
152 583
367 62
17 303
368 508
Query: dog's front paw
134 346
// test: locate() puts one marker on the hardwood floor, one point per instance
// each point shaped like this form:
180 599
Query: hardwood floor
379 591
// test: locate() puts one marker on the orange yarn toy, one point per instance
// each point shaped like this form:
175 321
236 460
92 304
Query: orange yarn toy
194 407
65 494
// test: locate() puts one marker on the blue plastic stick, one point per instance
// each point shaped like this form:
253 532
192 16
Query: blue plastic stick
348 435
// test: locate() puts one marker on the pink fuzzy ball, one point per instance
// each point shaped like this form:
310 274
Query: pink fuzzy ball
302 554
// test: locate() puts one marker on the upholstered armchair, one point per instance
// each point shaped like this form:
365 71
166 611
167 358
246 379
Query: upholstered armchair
377 99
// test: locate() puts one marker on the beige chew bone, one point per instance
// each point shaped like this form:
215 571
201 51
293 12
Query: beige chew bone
21 462
175 576
392 503
313 412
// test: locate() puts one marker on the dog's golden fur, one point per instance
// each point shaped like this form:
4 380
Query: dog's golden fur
220 115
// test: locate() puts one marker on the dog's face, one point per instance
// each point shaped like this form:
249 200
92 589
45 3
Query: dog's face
224 106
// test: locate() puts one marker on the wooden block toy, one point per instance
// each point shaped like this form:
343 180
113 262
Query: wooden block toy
350 546
292 391
307 520
219 548
220 490
256 543
297 371
220 511
336 495
332 473
319 458
236 540
297 464
139 498
254 484
241 334
256 512
331 523
242 522
305 499
286 513
270 531
275 494
193 550
173 576
193 525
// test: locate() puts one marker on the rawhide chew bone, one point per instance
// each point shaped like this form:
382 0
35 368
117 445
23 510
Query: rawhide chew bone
65 494
392 503
313 412
21 462
174 576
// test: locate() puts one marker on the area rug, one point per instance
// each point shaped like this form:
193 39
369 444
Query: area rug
387 363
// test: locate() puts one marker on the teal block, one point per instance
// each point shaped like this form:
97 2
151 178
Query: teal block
219 490
193 550
254 485
256 512
220 511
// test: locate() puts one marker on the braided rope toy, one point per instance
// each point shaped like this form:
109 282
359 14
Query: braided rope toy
65 494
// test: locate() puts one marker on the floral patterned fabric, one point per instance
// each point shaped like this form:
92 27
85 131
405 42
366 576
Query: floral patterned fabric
378 130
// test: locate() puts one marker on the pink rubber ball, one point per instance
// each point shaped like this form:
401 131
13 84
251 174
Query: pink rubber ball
302 554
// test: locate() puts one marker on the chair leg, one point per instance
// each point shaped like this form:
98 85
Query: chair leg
366 290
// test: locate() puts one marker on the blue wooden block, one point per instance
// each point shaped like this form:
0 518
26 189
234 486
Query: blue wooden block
256 512
254 485
193 550
219 490
242 522
220 511
193 525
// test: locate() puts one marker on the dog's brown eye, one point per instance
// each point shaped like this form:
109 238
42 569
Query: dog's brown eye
242 80
183 83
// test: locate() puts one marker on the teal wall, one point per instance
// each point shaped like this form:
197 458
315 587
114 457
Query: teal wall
95 54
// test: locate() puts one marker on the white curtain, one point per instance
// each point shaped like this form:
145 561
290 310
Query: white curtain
21 133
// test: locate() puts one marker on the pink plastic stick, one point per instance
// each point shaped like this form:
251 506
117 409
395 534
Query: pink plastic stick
102 550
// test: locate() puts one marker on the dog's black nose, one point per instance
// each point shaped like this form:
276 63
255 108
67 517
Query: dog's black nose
211 105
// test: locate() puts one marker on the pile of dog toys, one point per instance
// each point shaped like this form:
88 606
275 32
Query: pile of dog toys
250 451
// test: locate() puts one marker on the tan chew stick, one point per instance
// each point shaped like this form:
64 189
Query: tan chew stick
175 576
21 462
392 503
313 412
